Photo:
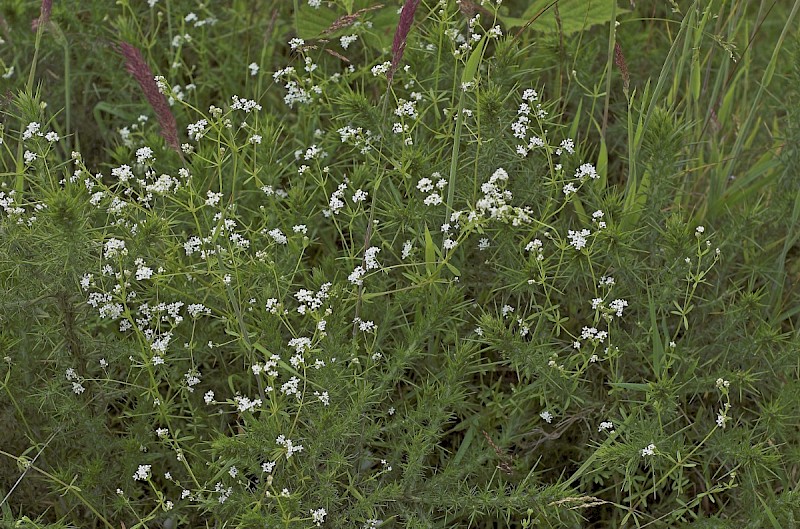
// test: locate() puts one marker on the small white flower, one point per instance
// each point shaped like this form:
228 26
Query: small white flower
407 246
546 416
722 419
606 425
648 450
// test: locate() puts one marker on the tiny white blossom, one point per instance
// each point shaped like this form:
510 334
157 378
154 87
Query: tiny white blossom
605 425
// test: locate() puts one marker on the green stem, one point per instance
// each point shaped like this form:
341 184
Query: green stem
612 39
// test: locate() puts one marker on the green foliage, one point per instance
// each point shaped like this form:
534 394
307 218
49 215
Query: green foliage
511 288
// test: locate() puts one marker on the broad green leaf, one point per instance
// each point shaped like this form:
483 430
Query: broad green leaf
630 386
452 268
430 252
512 22
575 15
471 69
694 76
312 22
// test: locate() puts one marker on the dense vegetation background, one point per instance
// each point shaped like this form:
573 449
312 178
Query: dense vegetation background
327 263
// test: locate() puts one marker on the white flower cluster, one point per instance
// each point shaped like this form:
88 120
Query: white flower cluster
360 138
269 367
114 248
495 201
77 386
310 301
347 40
197 130
318 516
381 69
248 105
521 125
535 246
578 239
295 92
426 185
244 404
142 473
291 448
17 211
582 173
370 258
336 202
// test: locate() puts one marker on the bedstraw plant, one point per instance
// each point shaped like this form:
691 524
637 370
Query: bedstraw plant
404 264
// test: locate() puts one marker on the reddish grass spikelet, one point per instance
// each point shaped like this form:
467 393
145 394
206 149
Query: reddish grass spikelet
138 68
401 35
44 15
337 55
469 9
619 60
348 20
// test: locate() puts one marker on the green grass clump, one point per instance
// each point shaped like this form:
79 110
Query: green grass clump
537 269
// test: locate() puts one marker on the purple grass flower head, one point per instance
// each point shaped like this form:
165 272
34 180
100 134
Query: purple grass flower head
44 15
138 68
619 60
401 35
